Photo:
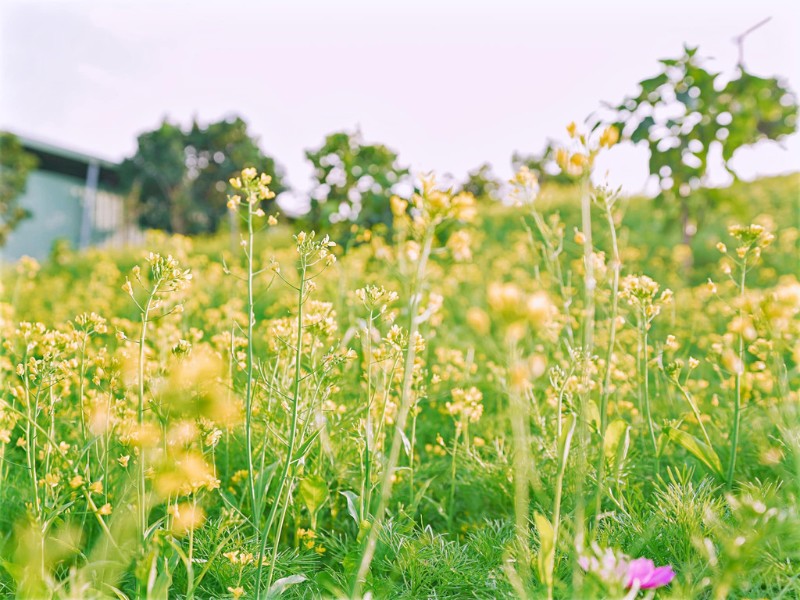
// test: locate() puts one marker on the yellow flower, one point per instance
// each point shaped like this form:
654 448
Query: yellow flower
105 509
609 137
123 460
96 487
572 129
76 482
398 206
237 592
272 220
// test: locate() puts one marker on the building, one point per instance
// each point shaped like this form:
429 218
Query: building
72 197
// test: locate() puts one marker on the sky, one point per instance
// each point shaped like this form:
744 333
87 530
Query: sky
447 84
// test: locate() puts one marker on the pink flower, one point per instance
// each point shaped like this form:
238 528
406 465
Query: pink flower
644 573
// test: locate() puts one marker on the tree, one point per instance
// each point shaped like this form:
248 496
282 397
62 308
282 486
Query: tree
482 183
15 165
178 178
353 181
685 113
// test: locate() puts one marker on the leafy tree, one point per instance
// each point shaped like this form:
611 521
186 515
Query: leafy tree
686 112
179 177
354 181
482 183
15 165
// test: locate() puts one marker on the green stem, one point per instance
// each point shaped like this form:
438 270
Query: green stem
563 459
616 266
248 403
366 485
737 407
646 375
451 510
402 415
290 450
141 492
696 412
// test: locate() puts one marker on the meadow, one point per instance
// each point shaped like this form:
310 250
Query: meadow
530 400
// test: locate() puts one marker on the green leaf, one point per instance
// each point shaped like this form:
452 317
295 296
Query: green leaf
352 501
546 554
406 441
280 586
651 85
616 431
700 450
314 493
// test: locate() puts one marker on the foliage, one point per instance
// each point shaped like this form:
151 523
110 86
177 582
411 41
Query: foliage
482 183
178 177
15 165
353 181
686 113
116 365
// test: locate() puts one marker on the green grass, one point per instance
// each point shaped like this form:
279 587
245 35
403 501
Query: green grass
464 526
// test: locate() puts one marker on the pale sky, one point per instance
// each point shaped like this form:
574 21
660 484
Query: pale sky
448 84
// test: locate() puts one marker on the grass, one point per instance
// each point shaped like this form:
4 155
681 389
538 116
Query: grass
443 433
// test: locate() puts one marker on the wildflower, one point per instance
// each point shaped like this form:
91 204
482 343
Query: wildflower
643 573
105 510
466 404
618 570
524 187
234 201
76 482
96 487
237 592
123 461
127 287
572 129
459 245
249 173
272 220
609 137
398 206
185 517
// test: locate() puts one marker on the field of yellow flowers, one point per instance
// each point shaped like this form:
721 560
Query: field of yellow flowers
550 399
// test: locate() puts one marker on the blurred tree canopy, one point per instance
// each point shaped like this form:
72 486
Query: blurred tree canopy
482 183
178 178
15 165
353 181
685 113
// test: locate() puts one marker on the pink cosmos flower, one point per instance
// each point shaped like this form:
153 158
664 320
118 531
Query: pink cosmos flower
644 573
621 571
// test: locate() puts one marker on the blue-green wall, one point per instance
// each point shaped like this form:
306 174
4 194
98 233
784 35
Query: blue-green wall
54 201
